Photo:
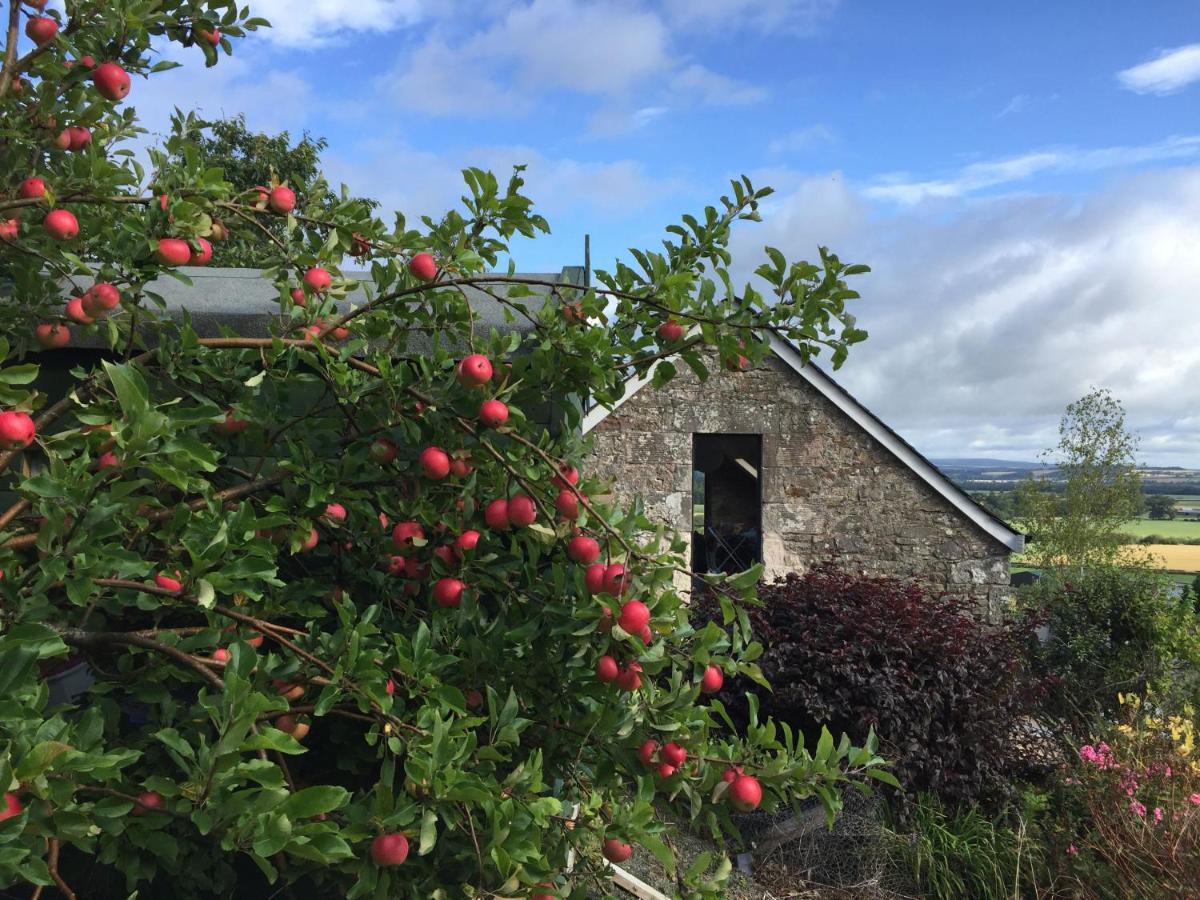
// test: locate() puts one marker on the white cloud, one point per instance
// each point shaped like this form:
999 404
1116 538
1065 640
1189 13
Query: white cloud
1171 71
901 188
713 89
802 139
613 122
317 22
801 16
986 319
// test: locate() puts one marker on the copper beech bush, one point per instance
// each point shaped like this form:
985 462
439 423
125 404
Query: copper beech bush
337 587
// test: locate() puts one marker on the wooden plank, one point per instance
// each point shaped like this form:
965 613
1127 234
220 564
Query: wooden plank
635 885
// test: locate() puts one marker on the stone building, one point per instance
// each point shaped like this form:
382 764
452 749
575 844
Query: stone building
780 464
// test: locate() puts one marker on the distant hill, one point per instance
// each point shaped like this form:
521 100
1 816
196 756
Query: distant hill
980 463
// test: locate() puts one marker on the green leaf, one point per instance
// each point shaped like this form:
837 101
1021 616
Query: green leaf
132 393
312 801
428 832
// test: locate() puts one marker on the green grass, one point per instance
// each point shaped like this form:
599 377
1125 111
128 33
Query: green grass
1171 528
1178 577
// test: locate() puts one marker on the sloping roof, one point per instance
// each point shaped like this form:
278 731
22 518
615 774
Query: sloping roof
245 302
868 422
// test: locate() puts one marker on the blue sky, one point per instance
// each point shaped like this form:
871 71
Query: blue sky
1024 178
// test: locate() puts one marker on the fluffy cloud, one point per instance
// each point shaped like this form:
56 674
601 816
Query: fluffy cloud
760 15
322 21
802 139
1171 71
987 320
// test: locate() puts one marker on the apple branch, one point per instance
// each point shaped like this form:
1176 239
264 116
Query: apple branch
10 46
90 640
53 845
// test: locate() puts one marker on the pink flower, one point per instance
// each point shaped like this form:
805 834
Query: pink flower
1137 808
1072 851
1194 799
1158 814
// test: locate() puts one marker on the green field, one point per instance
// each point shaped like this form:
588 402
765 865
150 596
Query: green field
1168 528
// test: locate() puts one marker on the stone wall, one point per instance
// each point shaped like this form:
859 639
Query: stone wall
830 490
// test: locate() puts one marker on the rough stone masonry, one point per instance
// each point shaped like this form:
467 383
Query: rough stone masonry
829 489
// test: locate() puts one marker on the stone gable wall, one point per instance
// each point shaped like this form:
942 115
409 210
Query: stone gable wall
830 490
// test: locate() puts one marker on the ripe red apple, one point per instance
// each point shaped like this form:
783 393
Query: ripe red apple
112 82
221 655
318 280
423 266
282 199
492 413
173 252
468 540
297 295
9 229
40 29
672 753
670 331
75 312
389 849
147 801
32 188
383 451
213 37
12 806
202 255
635 616
646 635
605 623
474 370
405 533
446 554
567 476
521 511
567 505
583 550
230 425
288 689
99 299
61 225
310 542
630 677
737 365
435 463
290 725
459 467
168 583
496 515
607 669
16 430
448 592
107 460
617 851
745 793
730 775
647 751
390 687
616 580
335 512
712 680
52 335
593 578
541 895
664 770
79 136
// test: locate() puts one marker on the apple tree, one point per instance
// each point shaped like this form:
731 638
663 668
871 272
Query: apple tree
359 621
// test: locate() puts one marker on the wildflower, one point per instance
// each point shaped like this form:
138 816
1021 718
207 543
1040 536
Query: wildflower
1158 814
1194 799
1072 850
1137 808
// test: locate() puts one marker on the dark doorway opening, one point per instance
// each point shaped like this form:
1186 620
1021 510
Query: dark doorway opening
726 502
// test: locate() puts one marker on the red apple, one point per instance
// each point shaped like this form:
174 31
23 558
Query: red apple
496 515
282 199
168 583
616 580
617 851
405 533
202 255
468 540
12 806
390 687
448 592
335 512
213 37
435 463
737 365
231 424
492 413
99 299
670 331
583 549
40 29
107 460
630 677
521 511
389 849
79 136
310 542
112 82
288 689
593 578
9 229
446 554
672 753
290 725
712 680
75 312
318 280
423 267
52 335
607 669
474 370
745 793
646 635
646 752
297 295
459 467
147 801
16 430
567 505
730 775
61 225
635 616
32 189
664 770
383 451
568 476
605 623
173 252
